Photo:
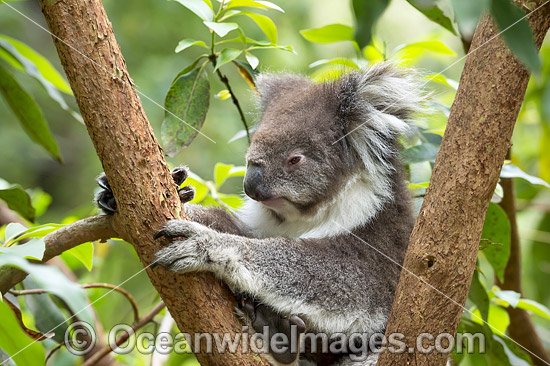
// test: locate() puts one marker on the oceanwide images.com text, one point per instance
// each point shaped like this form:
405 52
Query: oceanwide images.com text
80 338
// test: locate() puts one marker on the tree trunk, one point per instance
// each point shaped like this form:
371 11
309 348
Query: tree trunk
133 161
445 240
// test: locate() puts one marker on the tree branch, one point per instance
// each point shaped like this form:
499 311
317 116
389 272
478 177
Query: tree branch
133 161
82 231
445 240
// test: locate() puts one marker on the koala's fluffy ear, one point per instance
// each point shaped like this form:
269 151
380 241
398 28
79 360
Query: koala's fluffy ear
382 98
376 106
274 86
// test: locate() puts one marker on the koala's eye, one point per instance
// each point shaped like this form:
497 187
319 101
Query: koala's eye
294 160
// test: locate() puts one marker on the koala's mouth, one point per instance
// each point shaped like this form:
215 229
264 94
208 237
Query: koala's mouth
274 203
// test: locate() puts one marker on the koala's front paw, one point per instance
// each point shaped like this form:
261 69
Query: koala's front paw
190 254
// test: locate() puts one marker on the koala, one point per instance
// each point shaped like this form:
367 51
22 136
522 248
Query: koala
326 221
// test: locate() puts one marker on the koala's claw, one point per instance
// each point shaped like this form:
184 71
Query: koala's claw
179 175
186 194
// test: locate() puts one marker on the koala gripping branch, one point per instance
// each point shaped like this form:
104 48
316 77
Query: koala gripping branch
444 243
134 164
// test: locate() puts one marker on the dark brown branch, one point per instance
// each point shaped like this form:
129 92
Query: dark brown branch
521 327
124 336
82 231
445 240
134 163
225 81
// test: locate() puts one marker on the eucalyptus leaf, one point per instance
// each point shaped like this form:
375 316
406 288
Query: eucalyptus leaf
186 106
328 34
420 153
516 33
28 113
221 29
336 61
366 15
221 172
265 23
186 43
534 307
33 249
44 67
467 14
227 55
253 61
18 200
433 12
84 253
199 7
512 171
13 339
496 229
479 297
51 279
253 4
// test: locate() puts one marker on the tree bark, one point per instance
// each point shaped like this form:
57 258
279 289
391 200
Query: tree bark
445 240
521 327
134 163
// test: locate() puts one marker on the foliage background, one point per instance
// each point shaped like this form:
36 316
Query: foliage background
148 32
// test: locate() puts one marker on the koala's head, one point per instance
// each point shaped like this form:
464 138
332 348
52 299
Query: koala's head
314 137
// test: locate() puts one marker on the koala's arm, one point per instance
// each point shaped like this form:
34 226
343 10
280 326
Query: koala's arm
313 278
215 218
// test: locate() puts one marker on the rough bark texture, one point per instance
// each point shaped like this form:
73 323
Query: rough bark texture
444 243
521 327
133 161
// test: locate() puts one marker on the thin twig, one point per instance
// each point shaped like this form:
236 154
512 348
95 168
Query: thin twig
125 335
225 80
131 300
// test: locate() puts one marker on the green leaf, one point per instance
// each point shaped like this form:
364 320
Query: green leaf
252 60
28 113
33 249
19 201
511 298
515 355
35 72
44 66
232 200
372 54
221 172
432 11
13 229
227 55
186 43
420 153
221 29
336 61
498 319
519 36
84 253
479 297
199 7
253 4
13 340
496 229
534 307
412 50
189 68
186 106
55 282
45 313
201 189
328 34
247 72
512 171
467 14
418 185
265 23
366 15
223 94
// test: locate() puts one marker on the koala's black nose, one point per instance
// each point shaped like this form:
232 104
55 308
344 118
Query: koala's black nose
253 183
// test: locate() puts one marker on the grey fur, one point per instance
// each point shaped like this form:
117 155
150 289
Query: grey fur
307 256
